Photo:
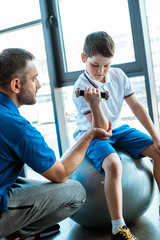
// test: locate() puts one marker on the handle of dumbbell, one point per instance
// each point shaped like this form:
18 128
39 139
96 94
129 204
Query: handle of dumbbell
103 94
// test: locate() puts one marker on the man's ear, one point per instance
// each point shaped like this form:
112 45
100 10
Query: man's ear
15 85
83 57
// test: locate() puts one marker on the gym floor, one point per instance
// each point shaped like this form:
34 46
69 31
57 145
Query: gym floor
147 227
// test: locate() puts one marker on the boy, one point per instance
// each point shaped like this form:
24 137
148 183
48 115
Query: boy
98 52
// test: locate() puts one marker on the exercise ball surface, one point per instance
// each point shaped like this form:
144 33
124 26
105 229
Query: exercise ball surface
137 184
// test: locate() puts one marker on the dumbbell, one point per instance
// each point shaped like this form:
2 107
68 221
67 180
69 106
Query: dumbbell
80 92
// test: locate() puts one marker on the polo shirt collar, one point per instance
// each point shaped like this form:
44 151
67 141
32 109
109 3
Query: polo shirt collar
95 83
7 102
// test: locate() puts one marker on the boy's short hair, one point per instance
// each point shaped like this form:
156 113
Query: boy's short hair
13 64
98 42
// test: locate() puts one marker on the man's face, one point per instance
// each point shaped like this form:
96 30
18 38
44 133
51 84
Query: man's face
29 88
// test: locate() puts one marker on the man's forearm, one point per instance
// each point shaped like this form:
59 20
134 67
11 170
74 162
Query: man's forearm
73 157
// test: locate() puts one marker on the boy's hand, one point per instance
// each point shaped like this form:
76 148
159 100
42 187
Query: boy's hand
92 96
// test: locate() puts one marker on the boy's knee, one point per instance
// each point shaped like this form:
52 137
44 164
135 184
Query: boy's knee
113 166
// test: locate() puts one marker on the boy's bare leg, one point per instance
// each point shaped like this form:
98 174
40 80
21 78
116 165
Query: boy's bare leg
152 153
112 185
113 191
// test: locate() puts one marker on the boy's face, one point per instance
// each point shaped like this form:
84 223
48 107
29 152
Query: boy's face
97 66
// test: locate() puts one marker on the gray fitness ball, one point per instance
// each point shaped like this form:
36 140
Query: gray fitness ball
138 191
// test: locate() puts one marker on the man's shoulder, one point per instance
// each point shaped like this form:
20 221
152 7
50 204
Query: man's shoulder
13 126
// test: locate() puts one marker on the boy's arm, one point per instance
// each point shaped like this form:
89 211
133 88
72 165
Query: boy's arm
141 114
96 118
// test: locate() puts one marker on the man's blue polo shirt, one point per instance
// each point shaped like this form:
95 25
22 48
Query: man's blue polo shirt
20 143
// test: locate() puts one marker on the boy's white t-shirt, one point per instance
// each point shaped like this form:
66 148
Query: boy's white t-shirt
119 87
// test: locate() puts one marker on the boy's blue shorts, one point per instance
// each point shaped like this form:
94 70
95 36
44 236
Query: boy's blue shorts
124 137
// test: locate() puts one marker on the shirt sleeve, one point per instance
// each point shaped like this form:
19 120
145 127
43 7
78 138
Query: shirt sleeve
128 90
34 151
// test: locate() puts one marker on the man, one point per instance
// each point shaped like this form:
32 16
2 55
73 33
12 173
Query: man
29 207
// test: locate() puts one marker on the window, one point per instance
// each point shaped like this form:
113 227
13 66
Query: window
18 12
70 112
154 32
86 16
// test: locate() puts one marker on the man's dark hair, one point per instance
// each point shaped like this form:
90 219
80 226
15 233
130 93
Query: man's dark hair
98 43
13 64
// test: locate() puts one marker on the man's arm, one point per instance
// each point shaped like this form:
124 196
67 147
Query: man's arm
62 169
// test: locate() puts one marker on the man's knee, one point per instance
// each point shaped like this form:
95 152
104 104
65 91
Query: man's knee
77 191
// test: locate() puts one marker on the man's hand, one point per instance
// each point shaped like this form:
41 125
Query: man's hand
103 134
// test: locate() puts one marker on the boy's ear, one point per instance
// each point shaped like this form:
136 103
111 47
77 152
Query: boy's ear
83 57
15 85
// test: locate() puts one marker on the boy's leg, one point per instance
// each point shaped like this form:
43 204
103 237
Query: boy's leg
152 153
104 157
113 192
35 206
112 185
111 164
